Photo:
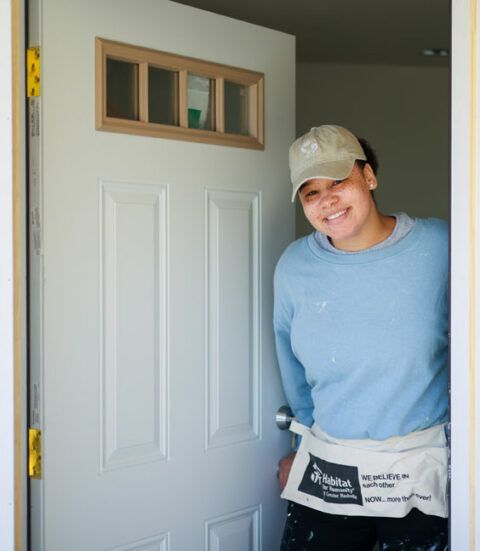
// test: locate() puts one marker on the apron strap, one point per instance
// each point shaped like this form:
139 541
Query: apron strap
298 428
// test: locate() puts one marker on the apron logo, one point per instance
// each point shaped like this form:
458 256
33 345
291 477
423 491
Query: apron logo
331 482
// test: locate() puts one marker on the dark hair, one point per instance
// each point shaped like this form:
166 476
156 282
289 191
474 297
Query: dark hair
372 158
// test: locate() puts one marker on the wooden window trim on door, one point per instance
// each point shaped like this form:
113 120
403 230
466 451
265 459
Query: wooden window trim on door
218 73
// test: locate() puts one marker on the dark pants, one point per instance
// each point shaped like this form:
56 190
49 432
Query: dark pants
310 530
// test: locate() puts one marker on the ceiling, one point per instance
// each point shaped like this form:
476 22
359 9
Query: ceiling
388 32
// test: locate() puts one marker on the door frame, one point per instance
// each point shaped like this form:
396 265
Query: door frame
13 397
7 360
465 274
465 288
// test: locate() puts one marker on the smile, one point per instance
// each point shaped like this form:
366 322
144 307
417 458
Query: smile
337 216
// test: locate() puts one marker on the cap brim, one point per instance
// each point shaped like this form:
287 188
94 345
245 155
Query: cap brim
336 170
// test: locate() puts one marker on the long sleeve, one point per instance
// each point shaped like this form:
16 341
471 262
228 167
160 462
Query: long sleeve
296 387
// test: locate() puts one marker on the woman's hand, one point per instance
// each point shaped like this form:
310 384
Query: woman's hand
284 466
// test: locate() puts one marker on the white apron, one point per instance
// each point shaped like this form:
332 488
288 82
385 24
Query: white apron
381 478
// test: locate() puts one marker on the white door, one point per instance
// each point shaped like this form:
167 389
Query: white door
153 375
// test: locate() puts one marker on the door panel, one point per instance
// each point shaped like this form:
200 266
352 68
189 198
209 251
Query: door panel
233 399
152 348
133 318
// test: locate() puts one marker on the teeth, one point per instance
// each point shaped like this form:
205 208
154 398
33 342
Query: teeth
336 215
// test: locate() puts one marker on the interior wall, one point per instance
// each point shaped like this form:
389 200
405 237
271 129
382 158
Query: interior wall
402 111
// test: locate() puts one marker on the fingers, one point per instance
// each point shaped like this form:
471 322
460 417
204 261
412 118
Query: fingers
284 467
282 481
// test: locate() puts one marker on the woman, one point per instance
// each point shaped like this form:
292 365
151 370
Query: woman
361 325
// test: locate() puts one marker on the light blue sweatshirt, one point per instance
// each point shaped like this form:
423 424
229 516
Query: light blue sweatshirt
362 339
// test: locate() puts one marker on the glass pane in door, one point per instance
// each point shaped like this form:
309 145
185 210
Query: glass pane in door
201 102
236 108
122 89
162 96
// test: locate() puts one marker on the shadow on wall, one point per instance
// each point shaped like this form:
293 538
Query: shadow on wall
402 111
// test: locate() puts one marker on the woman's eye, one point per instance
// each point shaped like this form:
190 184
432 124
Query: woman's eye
336 182
311 193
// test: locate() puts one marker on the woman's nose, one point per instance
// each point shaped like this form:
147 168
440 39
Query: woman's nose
329 198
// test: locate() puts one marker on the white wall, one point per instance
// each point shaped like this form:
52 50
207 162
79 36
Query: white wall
402 111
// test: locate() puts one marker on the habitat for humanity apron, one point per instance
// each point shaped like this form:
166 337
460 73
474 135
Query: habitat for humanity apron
381 478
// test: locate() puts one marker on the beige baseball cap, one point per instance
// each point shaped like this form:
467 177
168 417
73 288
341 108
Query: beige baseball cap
326 151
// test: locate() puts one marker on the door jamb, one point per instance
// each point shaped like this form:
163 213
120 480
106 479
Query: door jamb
13 480
7 364
465 287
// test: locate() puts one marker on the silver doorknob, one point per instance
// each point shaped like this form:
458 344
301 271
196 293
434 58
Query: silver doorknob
284 417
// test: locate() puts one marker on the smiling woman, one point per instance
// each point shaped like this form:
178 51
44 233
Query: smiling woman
366 374
345 210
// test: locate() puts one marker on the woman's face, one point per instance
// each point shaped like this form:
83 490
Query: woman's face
344 210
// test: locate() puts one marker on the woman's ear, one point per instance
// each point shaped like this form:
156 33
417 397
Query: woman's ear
370 177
